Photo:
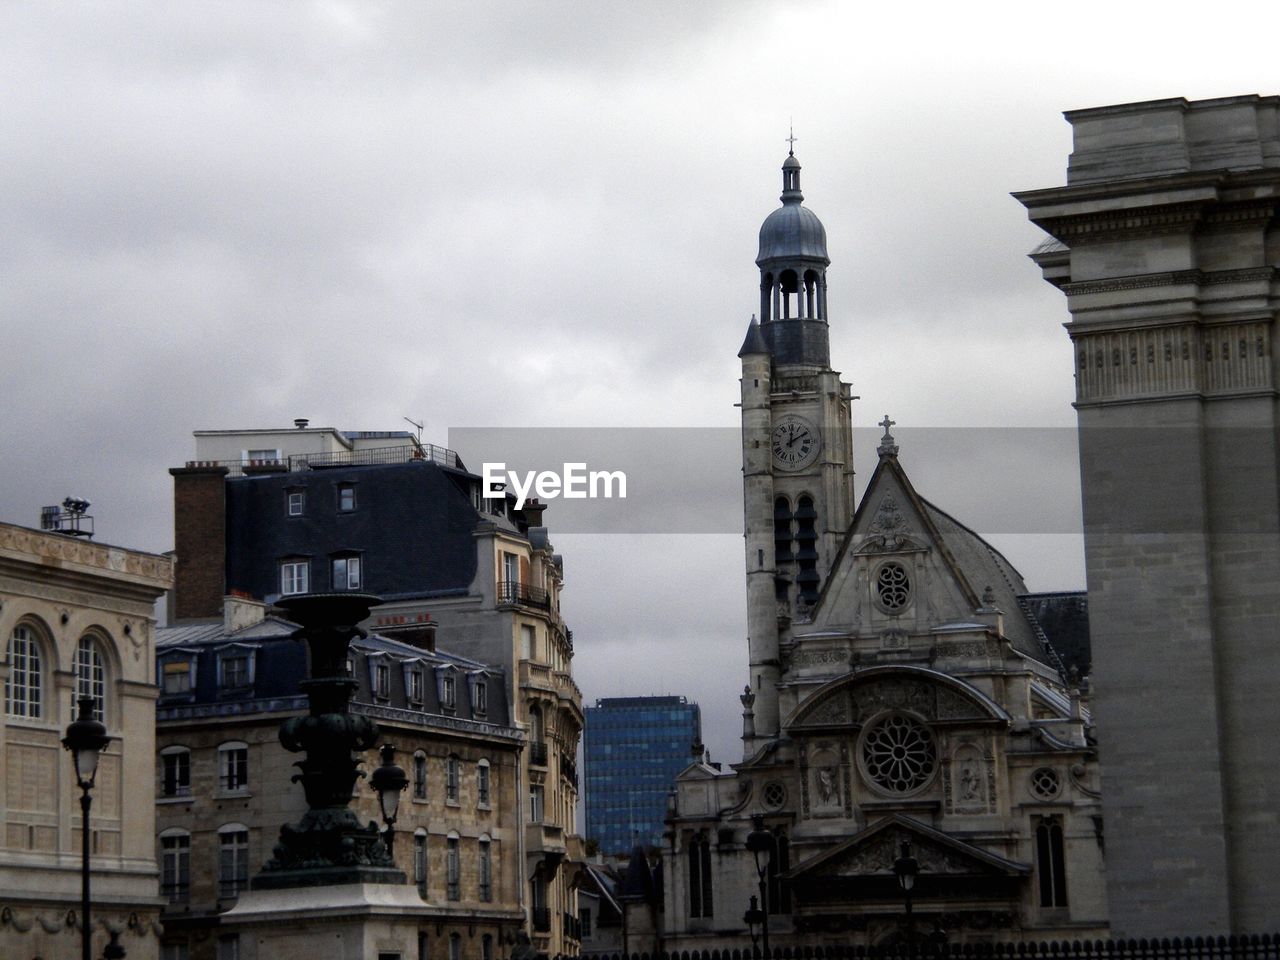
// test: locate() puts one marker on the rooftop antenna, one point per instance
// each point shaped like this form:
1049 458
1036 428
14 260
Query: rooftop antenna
417 425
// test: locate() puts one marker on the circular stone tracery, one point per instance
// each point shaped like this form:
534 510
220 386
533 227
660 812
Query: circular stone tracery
898 754
893 587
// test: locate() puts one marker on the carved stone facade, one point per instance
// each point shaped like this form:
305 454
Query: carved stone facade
900 692
76 617
1166 242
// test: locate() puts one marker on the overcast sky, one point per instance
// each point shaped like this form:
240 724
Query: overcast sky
227 215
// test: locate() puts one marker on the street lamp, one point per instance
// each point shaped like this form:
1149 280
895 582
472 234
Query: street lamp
86 739
905 868
761 843
389 781
753 918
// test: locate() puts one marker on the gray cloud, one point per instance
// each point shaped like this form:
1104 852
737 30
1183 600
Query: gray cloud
531 215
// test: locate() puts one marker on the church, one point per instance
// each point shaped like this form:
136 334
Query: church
909 700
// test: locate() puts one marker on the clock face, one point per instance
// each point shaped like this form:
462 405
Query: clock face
794 442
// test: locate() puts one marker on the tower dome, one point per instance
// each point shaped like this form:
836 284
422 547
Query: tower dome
793 231
793 265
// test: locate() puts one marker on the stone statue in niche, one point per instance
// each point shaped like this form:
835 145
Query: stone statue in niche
828 787
970 783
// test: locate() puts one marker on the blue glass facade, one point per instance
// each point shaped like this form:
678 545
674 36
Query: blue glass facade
633 749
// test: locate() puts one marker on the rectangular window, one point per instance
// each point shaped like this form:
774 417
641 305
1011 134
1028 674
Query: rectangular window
235 671
295 577
420 858
414 685
486 873
449 698
419 777
382 680
452 870
295 501
229 947
482 784
455 946
584 918
481 690
511 572
452 775
536 795
176 778
528 642
233 768
346 497
1051 867
267 453
233 863
176 677
175 868
346 573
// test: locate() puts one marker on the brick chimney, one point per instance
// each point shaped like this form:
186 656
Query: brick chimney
200 540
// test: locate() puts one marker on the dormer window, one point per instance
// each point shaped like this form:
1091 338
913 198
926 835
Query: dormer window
177 677
413 685
448 692
235 668
479 694
382 681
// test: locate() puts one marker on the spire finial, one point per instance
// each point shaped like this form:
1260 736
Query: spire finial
887 448
791 139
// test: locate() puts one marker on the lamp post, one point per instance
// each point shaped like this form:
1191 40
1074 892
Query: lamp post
905 869
389 781
761 844
86 739
753 918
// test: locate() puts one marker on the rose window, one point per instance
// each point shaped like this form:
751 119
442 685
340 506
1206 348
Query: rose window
893 587
898 754
1045 783
775 794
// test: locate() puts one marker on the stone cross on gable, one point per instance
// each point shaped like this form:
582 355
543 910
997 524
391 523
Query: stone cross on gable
887 446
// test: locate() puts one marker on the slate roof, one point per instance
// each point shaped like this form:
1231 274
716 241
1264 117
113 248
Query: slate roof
281 662
1064 619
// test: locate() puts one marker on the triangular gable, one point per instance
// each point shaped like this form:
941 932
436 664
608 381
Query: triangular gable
873 851
853 874
892 518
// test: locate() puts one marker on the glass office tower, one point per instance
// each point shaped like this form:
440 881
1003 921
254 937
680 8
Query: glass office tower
634 747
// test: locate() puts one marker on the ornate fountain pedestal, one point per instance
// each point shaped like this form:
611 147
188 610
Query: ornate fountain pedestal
330 888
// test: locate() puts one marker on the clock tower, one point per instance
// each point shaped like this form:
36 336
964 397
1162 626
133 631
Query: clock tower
797 439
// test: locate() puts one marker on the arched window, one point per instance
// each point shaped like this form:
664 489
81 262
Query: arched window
233 767
779 864
175 772
482 783
420 857
233 860
420 776
453 867
24 687
486 869
91 678
175 865
452 774
699 876
1050 863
